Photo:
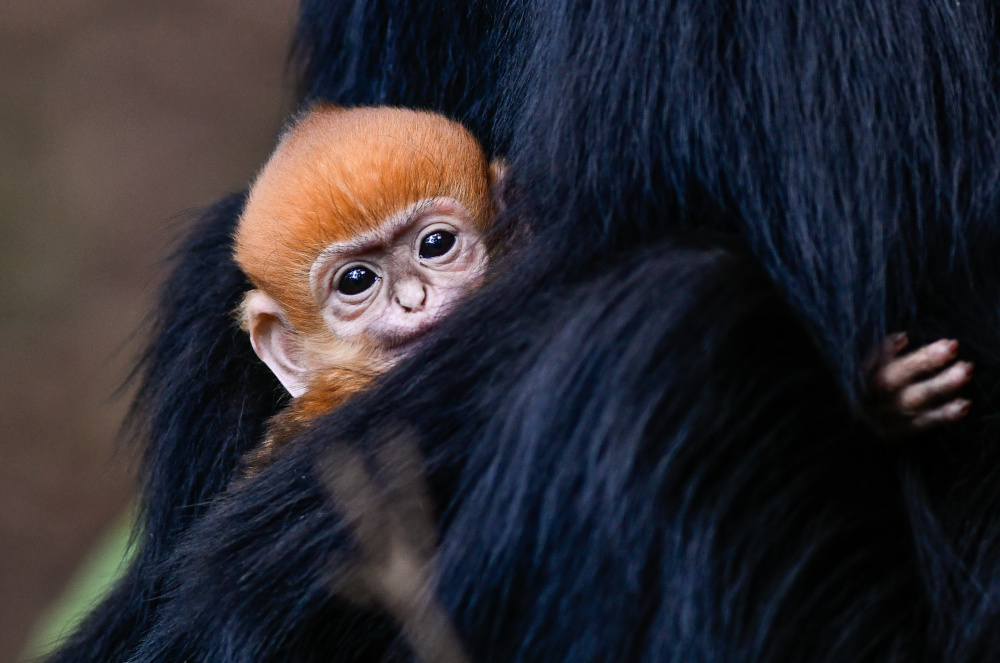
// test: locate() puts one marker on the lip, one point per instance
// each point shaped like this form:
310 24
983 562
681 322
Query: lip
404 343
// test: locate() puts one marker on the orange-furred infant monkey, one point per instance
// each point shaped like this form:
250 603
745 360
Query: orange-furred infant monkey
366 226
362 230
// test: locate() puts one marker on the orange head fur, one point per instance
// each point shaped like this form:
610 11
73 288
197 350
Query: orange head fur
339 172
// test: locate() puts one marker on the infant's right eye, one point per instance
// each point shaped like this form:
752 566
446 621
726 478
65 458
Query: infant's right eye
356 280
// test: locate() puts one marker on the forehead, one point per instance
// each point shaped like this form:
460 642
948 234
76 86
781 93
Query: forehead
388 232
338 174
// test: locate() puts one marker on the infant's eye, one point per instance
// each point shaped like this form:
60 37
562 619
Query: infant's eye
356 280
436 244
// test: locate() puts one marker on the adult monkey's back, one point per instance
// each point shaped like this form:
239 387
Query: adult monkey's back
626 473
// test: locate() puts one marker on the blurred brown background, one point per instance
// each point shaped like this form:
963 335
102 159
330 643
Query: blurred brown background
116 119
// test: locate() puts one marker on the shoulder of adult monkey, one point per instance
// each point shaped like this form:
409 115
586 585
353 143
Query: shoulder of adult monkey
328 391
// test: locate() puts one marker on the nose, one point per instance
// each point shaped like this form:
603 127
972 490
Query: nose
411 295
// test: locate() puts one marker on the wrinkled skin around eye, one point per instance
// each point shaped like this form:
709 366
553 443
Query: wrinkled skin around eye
387 288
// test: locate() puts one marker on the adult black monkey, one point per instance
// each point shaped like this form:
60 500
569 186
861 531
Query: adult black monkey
643 454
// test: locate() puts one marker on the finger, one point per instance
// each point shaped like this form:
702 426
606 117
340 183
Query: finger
949 412
902 371
921 394
893 345
887 350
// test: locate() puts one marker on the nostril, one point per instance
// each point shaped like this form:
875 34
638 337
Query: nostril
411 297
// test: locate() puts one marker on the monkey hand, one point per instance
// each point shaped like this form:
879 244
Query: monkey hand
918 390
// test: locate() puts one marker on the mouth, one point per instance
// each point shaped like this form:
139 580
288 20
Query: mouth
401 344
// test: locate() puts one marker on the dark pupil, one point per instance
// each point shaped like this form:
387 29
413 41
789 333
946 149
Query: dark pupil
356 280
436 244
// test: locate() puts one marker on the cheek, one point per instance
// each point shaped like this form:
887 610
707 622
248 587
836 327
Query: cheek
449 287
462 274
353 324
472 263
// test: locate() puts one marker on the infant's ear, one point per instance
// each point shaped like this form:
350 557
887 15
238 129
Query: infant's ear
275 341
497 175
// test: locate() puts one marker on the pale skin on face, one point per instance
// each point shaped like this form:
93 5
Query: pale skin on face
381 290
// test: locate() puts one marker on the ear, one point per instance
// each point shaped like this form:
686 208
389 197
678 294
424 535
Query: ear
497 175
275 341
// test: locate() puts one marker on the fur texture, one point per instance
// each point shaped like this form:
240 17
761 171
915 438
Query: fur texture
200 381
643 437
328 391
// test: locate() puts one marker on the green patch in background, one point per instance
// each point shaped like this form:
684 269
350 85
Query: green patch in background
103 566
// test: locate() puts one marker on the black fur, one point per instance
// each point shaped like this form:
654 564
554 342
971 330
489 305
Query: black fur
644 437
200 380
445 57
567 482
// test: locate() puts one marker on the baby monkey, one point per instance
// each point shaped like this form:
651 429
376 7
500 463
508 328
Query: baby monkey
361 232
367 225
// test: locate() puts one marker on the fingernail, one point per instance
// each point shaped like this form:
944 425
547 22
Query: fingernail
899 339
963 408
950 347
968 369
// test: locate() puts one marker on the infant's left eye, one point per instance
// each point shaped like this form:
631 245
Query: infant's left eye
436 244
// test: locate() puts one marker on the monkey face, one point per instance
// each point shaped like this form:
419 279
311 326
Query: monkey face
386 288
360 233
